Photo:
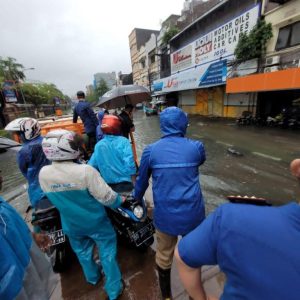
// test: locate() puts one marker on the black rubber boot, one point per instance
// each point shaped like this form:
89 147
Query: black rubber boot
164 282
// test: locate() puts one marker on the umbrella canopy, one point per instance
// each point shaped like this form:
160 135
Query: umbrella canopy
124 94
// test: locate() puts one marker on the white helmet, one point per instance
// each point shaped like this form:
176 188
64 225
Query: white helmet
28 127
62 145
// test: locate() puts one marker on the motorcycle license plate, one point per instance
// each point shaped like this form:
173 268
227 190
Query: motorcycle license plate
143 234
57 237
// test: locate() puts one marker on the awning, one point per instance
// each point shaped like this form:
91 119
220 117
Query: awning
274 81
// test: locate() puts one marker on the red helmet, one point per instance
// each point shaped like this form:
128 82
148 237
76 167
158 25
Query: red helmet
111 125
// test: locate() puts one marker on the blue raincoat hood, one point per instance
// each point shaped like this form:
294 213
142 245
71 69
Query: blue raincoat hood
173 121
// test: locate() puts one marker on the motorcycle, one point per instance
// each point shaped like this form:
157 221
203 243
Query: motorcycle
131 222
47 219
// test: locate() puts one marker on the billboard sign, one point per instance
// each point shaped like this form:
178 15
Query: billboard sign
203 62
9 92
181 59
217 44
214 74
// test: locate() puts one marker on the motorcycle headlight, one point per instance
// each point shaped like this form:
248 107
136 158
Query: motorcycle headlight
138 211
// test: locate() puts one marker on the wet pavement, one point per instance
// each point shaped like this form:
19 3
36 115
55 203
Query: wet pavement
240 160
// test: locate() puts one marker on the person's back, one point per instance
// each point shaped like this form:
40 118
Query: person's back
126 118
30 157
177 193
174 161
73 198
113 156
261 245
256 247
80 194
31 160
86 114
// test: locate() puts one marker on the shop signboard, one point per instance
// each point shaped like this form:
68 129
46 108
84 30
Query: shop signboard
203 63
215 74
197 77
217 44
9 92
181 59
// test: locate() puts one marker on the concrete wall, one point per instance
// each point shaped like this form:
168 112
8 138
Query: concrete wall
281 16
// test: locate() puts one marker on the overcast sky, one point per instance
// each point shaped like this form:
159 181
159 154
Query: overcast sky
67 41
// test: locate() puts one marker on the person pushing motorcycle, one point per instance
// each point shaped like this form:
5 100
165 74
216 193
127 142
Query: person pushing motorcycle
80 194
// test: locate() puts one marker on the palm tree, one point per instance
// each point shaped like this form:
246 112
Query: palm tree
11 70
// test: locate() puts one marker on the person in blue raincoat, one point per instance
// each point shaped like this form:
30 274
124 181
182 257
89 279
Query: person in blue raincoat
256 247
80 194
31 157
173 162
24 271
99 132
88 117
113 156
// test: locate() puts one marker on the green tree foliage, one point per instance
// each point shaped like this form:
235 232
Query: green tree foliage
10 69
92 97
102 88
171 32
40 93
254 44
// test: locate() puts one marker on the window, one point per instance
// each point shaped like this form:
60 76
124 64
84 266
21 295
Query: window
288 36
143 64
295 35
152 59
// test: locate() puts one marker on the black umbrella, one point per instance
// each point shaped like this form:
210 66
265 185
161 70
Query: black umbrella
124 94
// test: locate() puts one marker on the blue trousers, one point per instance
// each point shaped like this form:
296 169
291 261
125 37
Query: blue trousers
105 239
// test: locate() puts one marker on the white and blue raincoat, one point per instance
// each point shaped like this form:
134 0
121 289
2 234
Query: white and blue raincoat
80 193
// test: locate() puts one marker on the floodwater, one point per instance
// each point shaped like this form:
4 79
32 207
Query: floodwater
240 161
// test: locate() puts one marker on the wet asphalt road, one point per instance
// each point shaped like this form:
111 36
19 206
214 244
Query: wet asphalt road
262 170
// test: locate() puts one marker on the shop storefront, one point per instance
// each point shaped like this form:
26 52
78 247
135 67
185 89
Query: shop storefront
199 69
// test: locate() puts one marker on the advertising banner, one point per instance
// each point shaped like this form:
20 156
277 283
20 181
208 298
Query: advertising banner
217 44
214 74
9 92
181 59
203 63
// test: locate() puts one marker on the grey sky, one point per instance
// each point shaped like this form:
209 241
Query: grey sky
67 41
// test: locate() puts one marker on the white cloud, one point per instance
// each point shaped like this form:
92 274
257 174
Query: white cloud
67 41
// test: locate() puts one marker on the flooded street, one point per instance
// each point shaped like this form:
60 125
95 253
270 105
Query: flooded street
240 161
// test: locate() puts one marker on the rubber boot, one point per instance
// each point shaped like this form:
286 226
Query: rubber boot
165 282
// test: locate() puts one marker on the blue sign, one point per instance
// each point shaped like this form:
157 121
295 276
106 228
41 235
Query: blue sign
8 92
215 74
157 86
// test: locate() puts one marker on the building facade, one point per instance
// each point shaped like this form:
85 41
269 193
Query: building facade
137 40
276 85
199 56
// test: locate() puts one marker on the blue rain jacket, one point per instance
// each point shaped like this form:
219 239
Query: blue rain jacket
256 247
86 114
31 159
25 273
99 132
79 193
15 242
113 158
173 162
